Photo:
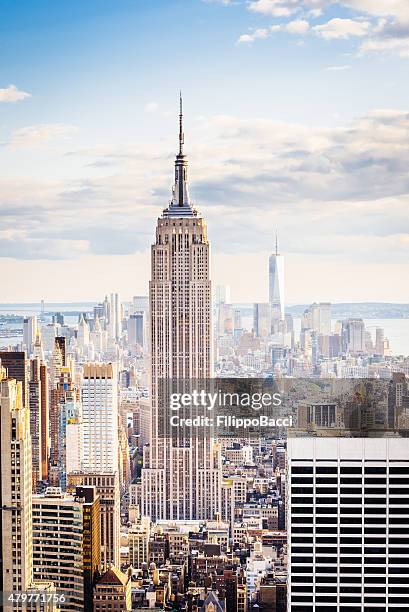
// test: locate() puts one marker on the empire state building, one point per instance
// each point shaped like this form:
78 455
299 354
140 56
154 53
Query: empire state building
180 480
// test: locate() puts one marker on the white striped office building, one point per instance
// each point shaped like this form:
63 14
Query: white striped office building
348 524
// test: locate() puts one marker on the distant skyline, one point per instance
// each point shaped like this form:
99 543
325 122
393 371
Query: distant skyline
296 120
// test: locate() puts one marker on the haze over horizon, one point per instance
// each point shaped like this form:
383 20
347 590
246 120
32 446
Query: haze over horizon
296 119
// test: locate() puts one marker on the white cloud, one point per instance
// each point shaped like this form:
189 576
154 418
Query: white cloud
388 45
35 135
250 38
151 107
12 94
339 196
388 36
382 25
391 8
274 8
298 26
347 185
342 28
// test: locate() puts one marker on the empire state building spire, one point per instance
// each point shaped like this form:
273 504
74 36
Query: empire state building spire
180 204
181 134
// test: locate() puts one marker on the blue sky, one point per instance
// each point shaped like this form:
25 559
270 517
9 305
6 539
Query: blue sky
296 119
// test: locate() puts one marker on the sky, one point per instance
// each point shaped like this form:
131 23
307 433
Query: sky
296 122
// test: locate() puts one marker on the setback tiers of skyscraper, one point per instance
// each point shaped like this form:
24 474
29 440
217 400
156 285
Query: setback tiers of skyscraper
180 481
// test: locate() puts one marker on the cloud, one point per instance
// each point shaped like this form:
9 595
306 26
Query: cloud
151 107
342 28
391 8
388 36
12 94
381 25
286 8
298 26
274 8
35 135
342 191
250 38
17 245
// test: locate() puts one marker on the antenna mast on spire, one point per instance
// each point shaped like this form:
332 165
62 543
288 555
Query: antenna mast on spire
181 134
276 244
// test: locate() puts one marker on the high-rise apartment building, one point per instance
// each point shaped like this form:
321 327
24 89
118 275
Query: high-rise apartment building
45 421
115 317
353 336
91 541
225 320
34 386
83 336
379 341
348 512
276 286
29 333
180 479
58 545
16 365
58 385
262 319
15 488
61 395
138 539
99 396
108 491
70 438
135 326
317 317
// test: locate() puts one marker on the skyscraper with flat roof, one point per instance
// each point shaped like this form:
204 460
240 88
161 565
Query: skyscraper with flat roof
16 365
58 545
15 487
348 511
99 396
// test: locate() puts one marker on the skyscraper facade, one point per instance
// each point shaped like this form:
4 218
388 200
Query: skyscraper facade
45 421
180 481
58 545
262 319
99 394
15 488
276 286
91 541
29 333
347 524
107 488
35 419
15 363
